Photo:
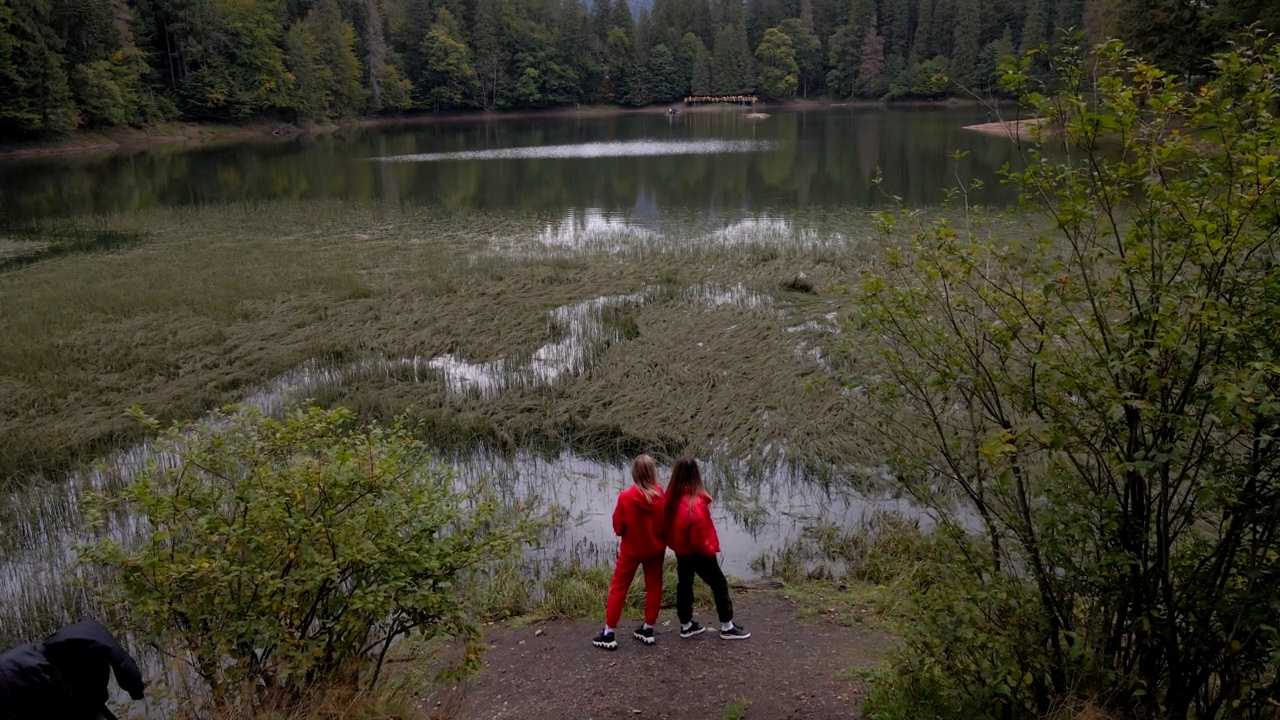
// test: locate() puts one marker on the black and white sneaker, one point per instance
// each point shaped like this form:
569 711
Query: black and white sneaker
606 641
693 629
735 633
645 635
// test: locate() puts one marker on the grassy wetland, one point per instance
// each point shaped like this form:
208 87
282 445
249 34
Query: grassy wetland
208 304
541 350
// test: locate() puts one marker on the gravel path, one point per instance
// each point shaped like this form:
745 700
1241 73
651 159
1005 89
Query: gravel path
789 668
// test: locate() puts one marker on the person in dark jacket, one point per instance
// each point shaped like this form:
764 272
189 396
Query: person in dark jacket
692 537
66 676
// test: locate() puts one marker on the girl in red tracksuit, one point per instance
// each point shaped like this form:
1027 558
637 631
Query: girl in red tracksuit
638 520
692 536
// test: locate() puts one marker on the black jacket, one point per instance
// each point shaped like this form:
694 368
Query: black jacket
66 676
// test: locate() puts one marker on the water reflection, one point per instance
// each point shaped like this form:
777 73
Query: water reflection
635 148
757 510
550 164
582 330
592 229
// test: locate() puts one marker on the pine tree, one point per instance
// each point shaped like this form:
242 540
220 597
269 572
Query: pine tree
845 56
35 98
986 77
945 22
861 14
896 29
700 80
756 21
1172 33
668 24
729 12
764 14
409 26
602 19
695 65
639 85
699 19
664 75
86 29
967 45
1035 25
922 46
619 66
1070 15
779 73
731 61
620 17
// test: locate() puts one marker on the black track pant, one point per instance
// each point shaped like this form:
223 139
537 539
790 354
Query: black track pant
709 570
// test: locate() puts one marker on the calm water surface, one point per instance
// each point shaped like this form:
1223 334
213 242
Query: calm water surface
643 165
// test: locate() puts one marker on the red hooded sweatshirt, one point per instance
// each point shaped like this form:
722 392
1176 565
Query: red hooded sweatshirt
691 531
638 521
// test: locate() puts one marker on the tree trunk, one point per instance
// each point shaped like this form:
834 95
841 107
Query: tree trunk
377 43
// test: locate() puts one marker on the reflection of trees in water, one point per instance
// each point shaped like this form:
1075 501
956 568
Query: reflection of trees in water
821 158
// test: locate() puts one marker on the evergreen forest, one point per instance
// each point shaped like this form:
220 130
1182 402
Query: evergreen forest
67 64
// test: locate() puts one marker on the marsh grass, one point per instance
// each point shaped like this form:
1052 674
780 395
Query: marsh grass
346 303
848 574
218 299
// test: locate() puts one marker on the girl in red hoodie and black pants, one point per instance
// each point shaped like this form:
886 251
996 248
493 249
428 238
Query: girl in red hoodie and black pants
692 536
638 520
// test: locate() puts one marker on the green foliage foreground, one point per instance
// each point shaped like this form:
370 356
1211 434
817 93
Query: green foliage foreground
1102 402
289 553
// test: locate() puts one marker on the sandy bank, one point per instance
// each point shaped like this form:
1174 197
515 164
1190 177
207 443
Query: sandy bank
1013 129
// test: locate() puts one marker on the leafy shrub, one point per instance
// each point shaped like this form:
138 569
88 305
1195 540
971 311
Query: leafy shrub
1103 402
286 553
973 649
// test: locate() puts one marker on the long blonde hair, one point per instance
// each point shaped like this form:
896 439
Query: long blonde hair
645 476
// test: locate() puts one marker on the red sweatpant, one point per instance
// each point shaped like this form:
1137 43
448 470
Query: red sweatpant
623 574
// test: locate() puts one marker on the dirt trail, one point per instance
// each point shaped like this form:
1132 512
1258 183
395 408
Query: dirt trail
789 668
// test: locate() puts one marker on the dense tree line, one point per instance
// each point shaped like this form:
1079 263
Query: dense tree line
94 63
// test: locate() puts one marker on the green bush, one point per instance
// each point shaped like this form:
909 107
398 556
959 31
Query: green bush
973 648
1102 403
283 554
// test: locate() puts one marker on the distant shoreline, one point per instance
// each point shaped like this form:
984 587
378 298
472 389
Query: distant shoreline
187 135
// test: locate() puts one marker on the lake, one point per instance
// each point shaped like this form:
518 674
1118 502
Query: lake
562 289
719 163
